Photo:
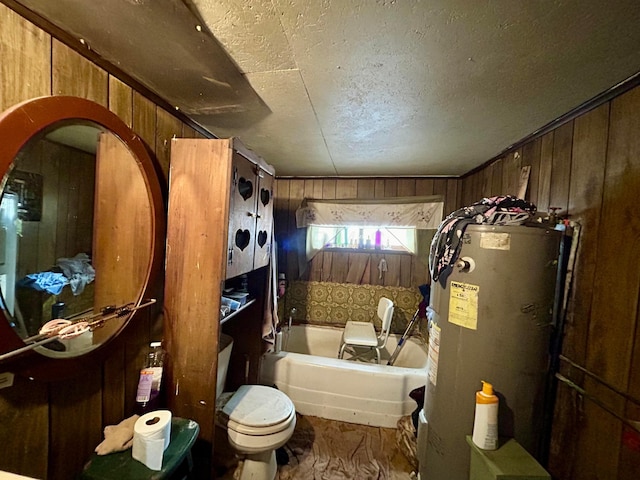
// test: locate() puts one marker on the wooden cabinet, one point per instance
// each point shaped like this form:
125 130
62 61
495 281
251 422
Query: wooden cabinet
251 217
208 182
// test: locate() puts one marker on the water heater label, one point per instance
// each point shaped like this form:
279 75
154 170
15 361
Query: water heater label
463 305
495 241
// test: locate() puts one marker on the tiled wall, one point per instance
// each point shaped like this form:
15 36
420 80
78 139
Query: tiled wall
325 303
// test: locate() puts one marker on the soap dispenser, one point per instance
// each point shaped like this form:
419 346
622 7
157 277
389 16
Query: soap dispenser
485 424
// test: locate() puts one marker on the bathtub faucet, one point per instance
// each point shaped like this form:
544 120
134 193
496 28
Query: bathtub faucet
291 314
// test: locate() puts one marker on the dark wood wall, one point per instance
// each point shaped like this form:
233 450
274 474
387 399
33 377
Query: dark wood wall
589 168
48 430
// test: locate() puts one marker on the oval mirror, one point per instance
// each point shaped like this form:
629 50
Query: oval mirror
80 224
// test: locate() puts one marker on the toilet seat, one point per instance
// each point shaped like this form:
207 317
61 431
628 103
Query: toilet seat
258 410
258 419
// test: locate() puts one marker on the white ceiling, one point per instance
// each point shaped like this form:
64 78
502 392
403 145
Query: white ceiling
366 87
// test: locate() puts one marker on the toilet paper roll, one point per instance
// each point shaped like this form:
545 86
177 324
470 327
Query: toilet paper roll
151 437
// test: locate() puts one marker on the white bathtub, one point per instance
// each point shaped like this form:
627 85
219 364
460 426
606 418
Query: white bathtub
321 385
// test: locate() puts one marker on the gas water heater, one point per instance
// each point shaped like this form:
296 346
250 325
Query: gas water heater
491 320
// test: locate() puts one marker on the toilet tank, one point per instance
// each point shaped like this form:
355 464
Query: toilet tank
225 345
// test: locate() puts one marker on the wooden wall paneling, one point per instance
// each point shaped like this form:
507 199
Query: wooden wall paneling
358 265
544 179
314 271
629 461
168 127
440 188
295 235
616 285
64 193
470 189
424 186
26 54
469 193
585 202
487 179
145 120
121 100
313 188
72 215
114 374
531 157
378 188
36 245
391 187
329 189
326 264
85 184
73 74
346 188
511 172
392 275
76 422
366 188
339 267
24 411
496 181
406 187
190 132
281 221
451 198
406 272
419 270
477 187
561 168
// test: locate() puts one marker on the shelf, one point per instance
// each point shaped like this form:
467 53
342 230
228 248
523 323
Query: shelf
232 314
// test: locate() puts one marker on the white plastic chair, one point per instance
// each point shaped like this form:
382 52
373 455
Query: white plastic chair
363 334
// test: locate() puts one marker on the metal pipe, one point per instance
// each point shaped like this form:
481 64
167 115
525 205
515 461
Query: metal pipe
583 392
599 380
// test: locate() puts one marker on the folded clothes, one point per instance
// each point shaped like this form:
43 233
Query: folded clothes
50 282
78 270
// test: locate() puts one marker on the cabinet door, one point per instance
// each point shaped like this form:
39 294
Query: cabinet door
264 220
242 217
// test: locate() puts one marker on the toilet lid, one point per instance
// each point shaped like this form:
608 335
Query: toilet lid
258 406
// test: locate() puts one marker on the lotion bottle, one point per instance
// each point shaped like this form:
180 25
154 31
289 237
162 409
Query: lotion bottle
485 425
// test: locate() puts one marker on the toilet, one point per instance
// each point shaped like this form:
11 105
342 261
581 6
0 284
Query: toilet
258 420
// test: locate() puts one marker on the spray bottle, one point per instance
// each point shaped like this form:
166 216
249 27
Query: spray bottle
485 425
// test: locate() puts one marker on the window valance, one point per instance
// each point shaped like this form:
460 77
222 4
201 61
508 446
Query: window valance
424 213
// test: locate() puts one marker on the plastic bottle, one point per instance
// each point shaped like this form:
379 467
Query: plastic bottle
148 393
485 424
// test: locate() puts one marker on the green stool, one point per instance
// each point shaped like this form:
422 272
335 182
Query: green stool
122 466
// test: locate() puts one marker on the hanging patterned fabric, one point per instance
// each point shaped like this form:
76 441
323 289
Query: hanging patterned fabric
446 243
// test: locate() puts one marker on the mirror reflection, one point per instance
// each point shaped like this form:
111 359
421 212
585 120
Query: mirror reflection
71 195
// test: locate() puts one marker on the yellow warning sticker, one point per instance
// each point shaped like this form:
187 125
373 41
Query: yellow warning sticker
463 305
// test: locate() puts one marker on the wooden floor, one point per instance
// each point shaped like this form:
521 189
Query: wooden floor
325 450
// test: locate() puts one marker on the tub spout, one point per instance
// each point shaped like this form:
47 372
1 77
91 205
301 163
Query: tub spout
291 314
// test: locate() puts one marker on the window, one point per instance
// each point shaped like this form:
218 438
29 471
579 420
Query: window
400 239
389 224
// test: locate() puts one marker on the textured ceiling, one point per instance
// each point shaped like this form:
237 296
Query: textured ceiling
365 87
